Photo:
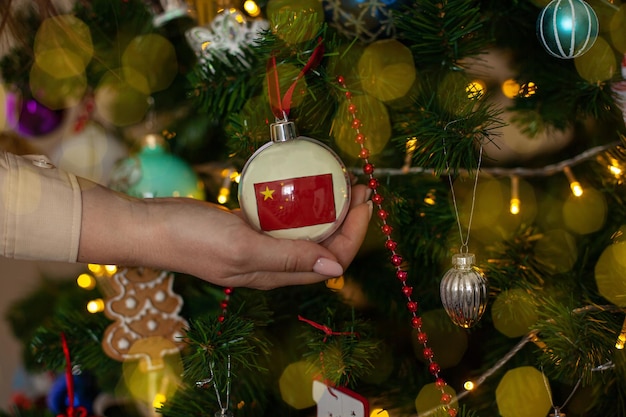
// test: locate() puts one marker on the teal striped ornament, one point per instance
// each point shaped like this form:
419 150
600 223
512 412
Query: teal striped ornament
567 28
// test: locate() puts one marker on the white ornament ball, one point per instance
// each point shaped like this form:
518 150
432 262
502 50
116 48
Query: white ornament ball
295 188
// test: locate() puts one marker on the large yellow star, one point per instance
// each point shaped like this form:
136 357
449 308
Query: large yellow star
267 193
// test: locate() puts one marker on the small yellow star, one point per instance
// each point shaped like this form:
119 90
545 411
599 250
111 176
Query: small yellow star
267 193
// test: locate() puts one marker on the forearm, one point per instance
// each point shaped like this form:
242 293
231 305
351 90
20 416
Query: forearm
40 209
114 227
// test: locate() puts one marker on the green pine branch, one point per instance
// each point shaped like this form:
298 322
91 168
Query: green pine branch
440 33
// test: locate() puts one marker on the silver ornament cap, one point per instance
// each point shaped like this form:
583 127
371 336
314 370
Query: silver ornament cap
464 291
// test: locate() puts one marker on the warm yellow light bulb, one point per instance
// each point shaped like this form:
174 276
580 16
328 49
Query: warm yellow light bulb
510 88
159 400
621 339
86 281
379 412
96 269
528 90
335 283
475 89
574 185
95 306
468 385
110 269
411 145
617 171
577 189
251 8
515 201
223 195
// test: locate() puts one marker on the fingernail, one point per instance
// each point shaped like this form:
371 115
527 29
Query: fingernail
370 205
327 267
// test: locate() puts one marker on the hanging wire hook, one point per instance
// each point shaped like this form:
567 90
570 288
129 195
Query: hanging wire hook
464 249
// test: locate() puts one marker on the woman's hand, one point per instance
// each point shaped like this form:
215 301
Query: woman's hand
209 242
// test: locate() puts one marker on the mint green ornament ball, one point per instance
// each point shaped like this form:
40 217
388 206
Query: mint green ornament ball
567 28
155 172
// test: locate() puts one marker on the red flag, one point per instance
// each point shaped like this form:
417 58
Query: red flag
295 202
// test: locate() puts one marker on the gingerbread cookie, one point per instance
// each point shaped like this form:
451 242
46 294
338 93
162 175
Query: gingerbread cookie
146 324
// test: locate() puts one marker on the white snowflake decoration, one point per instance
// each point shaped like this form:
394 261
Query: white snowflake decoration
228 34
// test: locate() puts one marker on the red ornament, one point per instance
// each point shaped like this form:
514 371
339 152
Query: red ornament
440 383
368 169
446 398
377 198
360 139
386 229
402 275
411 306
364 153
422 337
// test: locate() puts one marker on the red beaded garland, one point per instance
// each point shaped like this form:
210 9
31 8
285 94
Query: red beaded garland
446 398
228 290
396 260
452 412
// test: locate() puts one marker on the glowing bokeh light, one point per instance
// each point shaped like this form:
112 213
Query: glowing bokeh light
86 281
95 306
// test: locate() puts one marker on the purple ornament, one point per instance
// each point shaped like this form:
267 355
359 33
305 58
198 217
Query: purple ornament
30 118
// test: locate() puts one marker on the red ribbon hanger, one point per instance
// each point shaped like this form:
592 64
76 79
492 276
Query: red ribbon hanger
79 411
282 106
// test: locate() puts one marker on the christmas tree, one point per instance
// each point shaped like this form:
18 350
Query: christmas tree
490 133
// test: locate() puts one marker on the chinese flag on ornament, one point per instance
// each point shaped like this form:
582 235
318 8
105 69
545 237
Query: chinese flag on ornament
295 202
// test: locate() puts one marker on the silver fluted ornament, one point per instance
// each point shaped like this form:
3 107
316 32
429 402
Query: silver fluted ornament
464 291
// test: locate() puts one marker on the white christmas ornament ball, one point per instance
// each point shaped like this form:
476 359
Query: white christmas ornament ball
294 187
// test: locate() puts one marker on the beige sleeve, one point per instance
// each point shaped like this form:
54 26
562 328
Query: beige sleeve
40 210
